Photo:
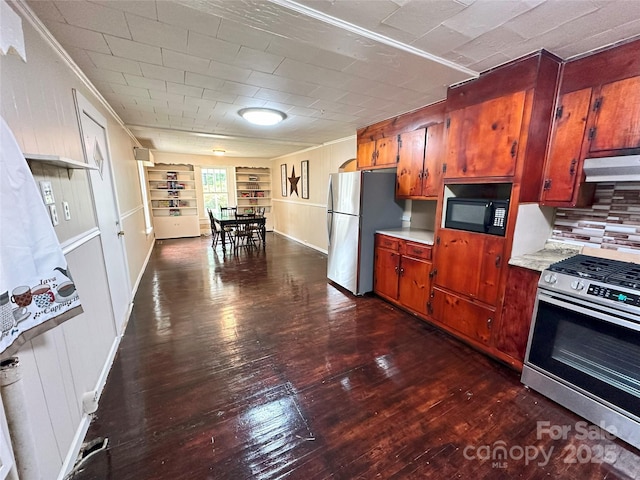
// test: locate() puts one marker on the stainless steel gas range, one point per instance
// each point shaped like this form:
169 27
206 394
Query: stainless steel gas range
584 344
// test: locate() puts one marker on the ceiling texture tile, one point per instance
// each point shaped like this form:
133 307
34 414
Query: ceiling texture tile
178 71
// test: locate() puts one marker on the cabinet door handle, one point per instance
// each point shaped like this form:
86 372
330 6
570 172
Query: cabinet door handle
429 307
572 167
498 261
489 323
513 148
396 269
402 271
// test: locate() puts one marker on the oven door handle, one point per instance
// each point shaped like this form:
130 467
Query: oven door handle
590 310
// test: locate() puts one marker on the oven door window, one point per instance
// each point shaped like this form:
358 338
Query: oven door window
597 356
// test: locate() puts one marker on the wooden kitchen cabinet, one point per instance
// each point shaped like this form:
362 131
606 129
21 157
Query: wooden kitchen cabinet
616 123
564 162
469 264
366 154
466 284
483 138
419 170
591 122
401 272
381 153
471 319
386 268
512 333
597 115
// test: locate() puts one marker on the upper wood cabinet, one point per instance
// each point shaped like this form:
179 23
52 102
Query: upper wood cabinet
498 125
597 115
616 112
366 154
483 138
379 145
420 156
591 122
564 162
382 153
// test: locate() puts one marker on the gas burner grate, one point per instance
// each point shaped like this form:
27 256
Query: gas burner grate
628 277
585 266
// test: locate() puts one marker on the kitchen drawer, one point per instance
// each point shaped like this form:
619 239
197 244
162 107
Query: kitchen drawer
417 250
390 243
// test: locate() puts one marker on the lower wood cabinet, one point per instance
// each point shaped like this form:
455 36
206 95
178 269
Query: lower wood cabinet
512 332
473 320
402 271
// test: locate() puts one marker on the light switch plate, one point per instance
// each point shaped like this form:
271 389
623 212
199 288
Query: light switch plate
54 215
47 192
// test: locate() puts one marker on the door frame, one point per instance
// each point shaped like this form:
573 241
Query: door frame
83 106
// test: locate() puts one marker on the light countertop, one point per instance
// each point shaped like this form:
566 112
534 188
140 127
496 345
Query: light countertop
551 253
418 235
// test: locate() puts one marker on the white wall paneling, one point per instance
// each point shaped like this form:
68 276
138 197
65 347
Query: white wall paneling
305 220
62 364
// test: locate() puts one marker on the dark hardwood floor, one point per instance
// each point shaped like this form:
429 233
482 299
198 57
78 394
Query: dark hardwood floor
254 367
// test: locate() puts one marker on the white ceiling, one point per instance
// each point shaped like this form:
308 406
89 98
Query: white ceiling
177 72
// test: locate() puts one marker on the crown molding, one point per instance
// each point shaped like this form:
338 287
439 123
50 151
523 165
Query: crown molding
37 24
376 37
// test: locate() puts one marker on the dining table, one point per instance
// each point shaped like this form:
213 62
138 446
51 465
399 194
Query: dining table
230 219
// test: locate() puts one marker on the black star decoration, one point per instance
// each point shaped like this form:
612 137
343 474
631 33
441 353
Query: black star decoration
293 180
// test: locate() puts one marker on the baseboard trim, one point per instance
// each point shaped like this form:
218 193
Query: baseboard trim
310 245
83 427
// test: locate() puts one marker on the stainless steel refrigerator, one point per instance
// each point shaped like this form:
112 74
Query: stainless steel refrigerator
358 204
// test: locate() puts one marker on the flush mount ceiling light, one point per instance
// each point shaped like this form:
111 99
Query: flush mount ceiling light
218 152
262 116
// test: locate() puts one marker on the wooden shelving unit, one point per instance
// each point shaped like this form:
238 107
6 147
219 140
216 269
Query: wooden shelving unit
172 193
253 189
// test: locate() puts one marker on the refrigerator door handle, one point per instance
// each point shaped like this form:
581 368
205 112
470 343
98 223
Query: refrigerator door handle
330 196
329 225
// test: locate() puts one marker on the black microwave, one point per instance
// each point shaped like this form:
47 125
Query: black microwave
477 215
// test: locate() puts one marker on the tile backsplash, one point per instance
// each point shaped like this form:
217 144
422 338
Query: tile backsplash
612 222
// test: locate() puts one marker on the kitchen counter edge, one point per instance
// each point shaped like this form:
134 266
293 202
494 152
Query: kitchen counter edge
551 253
417 235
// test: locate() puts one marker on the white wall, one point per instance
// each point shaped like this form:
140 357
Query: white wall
305 220
36 101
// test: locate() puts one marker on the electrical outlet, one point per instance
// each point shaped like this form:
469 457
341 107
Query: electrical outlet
54 215
67 212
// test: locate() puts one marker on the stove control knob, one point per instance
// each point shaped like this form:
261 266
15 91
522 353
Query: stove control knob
550 278
577 285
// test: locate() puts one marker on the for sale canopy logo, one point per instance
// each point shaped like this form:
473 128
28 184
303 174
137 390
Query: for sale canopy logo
500 453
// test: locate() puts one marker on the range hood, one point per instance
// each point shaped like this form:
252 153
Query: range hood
612 169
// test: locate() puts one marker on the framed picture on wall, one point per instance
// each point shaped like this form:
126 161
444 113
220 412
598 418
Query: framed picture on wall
283 179
305 178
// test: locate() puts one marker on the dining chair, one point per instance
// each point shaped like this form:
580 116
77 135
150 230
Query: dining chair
244 233
217 231
256 228
229 210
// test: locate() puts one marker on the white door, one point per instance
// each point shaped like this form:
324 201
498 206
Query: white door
96 147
